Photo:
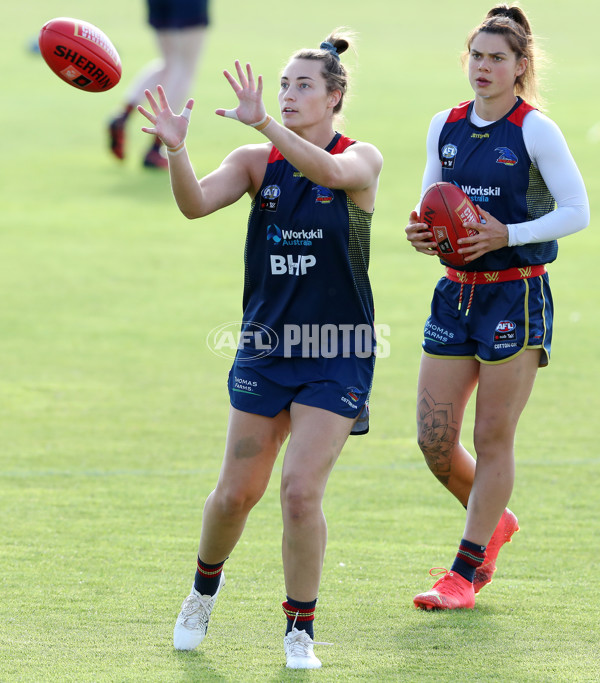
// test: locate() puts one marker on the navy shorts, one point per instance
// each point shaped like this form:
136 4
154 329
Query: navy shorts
503 320
177 14
268 385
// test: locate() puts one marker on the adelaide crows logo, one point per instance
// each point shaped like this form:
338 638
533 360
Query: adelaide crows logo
324 194
507 156
353 393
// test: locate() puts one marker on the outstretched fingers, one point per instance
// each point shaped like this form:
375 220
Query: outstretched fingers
146 113
152 102
237 89
251 82
228 113
164 104
186 112
255 86
248 90
168 126
245 80
241 75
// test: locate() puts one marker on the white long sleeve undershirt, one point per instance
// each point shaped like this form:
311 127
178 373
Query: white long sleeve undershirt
550 154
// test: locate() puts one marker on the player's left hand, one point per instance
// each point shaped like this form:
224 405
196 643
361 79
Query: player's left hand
491 235
250 109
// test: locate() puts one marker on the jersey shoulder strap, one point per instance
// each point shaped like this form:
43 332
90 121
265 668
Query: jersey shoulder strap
339 144
459 112
517 116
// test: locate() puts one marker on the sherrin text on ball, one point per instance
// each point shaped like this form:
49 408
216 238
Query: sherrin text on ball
444 208
80 54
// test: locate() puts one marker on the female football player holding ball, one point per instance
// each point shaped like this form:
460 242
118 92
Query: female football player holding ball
491 320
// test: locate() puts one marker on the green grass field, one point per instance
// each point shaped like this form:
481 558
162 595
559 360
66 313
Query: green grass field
113 410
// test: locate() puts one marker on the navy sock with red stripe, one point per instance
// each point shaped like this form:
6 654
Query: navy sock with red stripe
207 578
470 556
300 615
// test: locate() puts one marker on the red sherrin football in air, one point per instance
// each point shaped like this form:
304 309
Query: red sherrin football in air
445 207
80 53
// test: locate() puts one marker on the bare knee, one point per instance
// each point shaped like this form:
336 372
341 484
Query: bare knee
491 437
298 501
234 502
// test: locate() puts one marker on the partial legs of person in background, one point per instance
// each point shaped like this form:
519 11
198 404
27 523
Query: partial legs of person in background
176 69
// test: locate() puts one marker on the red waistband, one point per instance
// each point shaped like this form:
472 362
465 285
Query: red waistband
486 277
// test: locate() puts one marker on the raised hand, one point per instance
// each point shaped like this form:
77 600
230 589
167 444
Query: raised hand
250 109
171 128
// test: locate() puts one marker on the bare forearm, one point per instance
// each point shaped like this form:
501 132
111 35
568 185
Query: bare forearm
315 163
185 186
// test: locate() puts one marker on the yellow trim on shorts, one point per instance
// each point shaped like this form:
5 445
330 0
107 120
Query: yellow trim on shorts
544 357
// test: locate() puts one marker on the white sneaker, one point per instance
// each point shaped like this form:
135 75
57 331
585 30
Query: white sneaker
192 622
299 653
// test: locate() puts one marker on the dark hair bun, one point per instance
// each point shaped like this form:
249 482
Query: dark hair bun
340 44
515 13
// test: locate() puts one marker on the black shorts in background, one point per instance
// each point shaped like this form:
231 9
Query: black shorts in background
177 14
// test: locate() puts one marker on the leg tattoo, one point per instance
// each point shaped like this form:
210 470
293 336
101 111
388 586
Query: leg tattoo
437 435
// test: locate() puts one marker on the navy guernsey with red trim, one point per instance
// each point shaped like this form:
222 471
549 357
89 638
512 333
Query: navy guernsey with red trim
491 164
306 259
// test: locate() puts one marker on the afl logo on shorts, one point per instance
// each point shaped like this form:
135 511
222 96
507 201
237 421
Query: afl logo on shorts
269 198
449 153
505 330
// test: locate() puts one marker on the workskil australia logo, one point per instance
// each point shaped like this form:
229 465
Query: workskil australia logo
274 233
479 194
293 238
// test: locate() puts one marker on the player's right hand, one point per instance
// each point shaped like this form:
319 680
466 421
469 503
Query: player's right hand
420 236
171 128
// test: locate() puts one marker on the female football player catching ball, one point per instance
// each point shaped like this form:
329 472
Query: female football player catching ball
491 321
312 194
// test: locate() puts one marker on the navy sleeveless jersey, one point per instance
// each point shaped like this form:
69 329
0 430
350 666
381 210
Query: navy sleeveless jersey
492 166
306 261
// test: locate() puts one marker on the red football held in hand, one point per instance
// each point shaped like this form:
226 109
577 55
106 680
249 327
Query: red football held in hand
444 208
80 53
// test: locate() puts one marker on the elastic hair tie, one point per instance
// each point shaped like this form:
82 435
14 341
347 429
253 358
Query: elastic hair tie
326 45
